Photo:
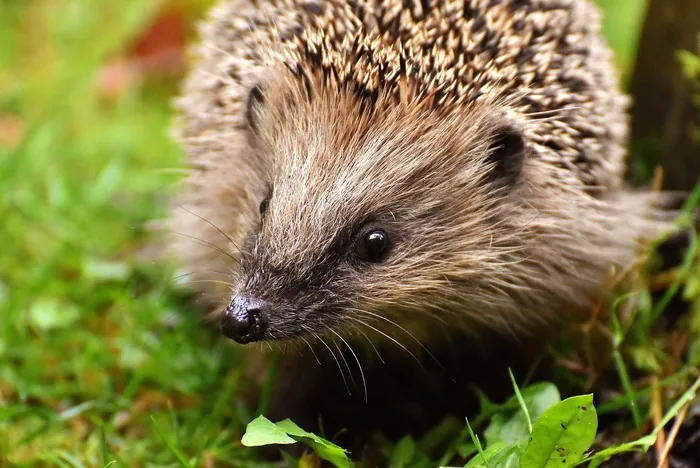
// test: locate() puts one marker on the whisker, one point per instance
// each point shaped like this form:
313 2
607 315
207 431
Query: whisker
347 366
364 382
180 276
372 314
342 374
209 281
204 243
312 350
212 225
360 331
390 338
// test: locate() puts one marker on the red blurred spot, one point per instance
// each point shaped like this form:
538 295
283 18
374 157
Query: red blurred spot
11 130
160 48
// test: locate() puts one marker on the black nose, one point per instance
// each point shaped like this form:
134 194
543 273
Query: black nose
244 320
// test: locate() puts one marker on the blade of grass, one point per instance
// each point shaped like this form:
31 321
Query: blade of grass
173 422
56 460
683 270
622 371
693 201
103 443
477 443
618 402
523 406
71 459
174 450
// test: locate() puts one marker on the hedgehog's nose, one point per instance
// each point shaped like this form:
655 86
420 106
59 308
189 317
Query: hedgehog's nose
244 320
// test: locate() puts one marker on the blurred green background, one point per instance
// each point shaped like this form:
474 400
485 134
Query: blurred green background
100 358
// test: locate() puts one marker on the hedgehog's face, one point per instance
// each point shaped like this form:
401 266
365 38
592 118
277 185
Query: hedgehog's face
371 220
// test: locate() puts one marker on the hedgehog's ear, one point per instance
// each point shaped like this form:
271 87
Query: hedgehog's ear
255 99
506 155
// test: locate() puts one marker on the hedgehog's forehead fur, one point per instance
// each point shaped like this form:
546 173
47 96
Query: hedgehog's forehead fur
334 156
388 111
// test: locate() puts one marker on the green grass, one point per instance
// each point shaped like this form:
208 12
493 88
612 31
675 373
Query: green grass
93 345
101 360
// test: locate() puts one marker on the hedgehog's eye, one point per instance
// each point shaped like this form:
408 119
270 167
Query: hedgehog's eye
373 246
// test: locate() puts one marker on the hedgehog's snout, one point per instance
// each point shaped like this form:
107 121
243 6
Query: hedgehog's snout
244 320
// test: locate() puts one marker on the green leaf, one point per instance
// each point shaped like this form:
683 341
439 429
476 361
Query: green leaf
466 449
511 426
689 62
509 458
562 434
325 449
106 271
262 431
499 455
645 360
48 314
403 452
484 458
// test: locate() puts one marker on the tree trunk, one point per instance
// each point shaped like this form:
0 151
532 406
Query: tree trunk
664 114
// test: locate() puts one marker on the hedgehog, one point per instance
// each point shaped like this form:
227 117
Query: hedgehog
407 175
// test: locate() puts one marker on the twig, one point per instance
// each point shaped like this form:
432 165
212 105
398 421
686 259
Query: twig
656 414
657 180
672 435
